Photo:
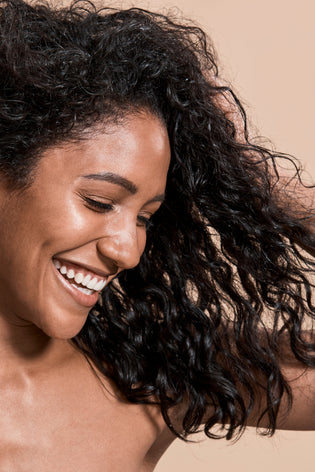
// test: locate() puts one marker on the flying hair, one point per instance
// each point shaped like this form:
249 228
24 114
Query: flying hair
224 279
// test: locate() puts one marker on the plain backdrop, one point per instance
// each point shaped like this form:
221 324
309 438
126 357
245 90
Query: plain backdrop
266 50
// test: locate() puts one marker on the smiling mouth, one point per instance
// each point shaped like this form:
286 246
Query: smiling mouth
83 280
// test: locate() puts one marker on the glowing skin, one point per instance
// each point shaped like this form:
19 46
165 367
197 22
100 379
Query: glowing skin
56 414
55 219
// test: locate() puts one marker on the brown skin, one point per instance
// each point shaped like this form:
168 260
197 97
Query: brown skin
62 418
56 414
52 219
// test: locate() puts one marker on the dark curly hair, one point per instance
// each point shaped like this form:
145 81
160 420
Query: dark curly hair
223 280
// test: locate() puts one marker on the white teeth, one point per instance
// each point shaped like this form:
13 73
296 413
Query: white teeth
103 284
92 283
84 290
79 277
98 286
86 280
56 264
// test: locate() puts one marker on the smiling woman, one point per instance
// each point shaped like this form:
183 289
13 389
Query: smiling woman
155 267
100 197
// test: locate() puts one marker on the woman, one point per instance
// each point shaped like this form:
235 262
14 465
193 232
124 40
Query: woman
155 268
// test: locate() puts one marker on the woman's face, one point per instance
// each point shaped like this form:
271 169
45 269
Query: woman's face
81 222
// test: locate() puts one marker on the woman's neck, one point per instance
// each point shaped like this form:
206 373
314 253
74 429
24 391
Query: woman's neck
26 347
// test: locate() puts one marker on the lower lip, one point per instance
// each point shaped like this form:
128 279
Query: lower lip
81 298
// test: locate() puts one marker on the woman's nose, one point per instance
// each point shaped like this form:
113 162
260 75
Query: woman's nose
121 248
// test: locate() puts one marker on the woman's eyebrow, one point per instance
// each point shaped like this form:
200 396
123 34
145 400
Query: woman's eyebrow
114 179
123 182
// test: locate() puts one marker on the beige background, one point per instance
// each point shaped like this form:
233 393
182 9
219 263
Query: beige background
266 49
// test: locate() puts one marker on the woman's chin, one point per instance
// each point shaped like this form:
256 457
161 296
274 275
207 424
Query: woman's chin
62 330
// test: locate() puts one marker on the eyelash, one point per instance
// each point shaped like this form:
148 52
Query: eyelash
96 205
101 207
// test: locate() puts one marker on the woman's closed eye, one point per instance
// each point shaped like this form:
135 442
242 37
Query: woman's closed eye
144 221
102 207
96 205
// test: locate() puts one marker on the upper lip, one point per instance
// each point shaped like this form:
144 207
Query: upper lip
94 270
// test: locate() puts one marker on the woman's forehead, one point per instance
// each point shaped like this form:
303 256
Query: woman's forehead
135 150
